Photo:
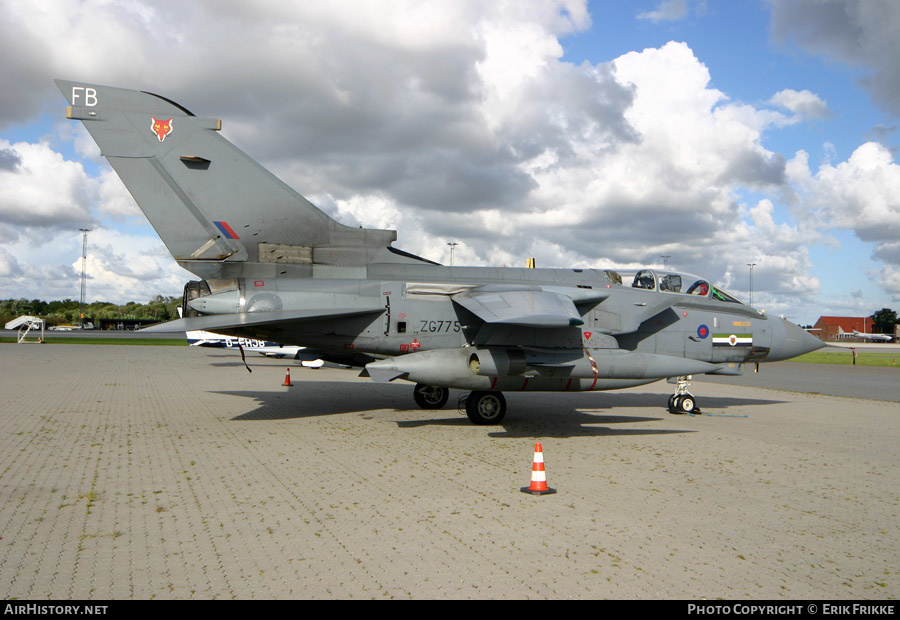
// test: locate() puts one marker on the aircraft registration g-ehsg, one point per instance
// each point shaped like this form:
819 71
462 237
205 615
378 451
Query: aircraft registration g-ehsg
201 338
275 267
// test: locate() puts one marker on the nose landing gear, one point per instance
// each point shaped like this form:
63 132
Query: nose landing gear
682 401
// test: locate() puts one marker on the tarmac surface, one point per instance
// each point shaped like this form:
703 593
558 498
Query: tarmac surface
866 382
173 473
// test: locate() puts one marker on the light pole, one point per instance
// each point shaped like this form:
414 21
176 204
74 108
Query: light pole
452 245
665 258
751 265
84 233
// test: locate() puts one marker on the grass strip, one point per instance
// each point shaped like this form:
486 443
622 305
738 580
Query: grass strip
845 358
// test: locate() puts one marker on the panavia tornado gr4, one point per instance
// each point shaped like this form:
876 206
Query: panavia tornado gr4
275 267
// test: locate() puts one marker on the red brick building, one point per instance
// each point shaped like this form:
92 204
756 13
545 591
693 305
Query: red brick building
842 327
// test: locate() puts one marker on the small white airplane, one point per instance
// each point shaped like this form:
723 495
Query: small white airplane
875 337
201 338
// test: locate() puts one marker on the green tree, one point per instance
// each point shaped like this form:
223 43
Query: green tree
884 320
160 308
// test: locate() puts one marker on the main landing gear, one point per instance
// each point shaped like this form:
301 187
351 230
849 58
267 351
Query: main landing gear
485 408
682 401
430 396
482 408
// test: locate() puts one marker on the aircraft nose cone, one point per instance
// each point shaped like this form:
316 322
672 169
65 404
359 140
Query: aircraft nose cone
794 341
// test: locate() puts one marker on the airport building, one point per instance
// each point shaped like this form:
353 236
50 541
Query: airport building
846 328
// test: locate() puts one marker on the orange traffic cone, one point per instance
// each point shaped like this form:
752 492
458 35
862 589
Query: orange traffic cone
538 475
287 378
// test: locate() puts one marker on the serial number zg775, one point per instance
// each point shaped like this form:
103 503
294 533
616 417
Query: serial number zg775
439 326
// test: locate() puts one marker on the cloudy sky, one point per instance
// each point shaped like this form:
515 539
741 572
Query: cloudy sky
715 133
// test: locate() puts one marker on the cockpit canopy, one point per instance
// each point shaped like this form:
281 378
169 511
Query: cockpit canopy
676 282
670 282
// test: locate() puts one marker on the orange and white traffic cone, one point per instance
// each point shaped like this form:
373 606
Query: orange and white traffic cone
287 378
538 475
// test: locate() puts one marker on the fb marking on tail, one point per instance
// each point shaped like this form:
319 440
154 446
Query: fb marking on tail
161 128
89 95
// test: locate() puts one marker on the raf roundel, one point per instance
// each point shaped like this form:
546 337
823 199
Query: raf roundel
703 331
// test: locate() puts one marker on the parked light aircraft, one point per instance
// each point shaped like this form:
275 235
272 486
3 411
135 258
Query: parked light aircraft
201 338
875 337
275 267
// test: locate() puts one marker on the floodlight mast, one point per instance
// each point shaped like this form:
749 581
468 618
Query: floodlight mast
84 234
452 245
751 265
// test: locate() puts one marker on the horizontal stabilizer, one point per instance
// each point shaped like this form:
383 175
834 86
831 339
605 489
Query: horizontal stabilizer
217 322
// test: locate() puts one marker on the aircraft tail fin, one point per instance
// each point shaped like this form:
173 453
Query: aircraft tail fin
212 204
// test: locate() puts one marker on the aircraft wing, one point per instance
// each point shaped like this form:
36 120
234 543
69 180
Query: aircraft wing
215 322
542 307
206 341
640 311
516 305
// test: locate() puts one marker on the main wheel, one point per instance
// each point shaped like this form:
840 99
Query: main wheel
430 396
485 407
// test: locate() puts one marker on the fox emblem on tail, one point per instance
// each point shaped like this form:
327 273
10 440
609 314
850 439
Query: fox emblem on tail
161 128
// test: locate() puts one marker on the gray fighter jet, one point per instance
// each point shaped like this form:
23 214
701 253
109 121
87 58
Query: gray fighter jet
275 267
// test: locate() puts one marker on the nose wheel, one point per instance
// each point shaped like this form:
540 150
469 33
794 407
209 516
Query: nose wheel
682 401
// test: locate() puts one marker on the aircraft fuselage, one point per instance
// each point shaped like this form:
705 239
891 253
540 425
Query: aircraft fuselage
430 338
